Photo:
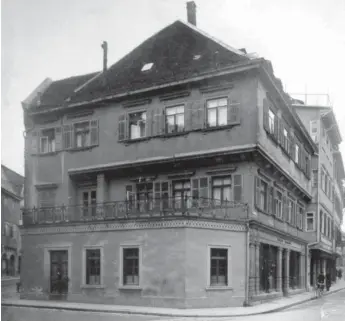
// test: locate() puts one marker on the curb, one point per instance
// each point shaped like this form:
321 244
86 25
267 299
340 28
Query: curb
162 314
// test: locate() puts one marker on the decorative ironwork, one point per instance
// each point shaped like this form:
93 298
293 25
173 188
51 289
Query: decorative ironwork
167 207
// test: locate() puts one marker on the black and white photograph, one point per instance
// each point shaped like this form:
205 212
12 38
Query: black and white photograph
172 160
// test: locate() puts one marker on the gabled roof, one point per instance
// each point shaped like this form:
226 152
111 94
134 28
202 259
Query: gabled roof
11 181
177 52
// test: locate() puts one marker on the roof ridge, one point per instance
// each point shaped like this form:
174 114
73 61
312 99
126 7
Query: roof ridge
221 43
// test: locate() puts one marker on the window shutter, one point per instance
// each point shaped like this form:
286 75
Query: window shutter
149 123
233 112
281 138
158 125
67 137
198 115
292 148
188 116
285 209
122 127
238 188
162 122
257 192
274 209
276 128
34 142
94 132
58 138
265 114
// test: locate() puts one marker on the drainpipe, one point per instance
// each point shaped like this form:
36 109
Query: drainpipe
246 299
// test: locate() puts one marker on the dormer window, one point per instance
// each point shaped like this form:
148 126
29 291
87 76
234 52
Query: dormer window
196 57
147 66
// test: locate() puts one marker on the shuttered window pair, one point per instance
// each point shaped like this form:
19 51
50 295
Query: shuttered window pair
72 136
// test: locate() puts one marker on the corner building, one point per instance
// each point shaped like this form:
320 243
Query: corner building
167 180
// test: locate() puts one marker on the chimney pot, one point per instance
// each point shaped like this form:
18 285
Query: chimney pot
191 12
105 55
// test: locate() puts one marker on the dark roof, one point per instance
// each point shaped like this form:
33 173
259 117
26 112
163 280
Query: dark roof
59 90
178 52
12 181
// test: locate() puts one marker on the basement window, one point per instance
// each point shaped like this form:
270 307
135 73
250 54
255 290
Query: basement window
147 66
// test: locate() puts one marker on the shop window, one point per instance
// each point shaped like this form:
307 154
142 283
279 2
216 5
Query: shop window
268 267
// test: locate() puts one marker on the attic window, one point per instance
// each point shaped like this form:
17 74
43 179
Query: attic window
196 57
147 66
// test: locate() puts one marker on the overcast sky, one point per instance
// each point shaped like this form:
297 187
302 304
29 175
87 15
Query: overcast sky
304 39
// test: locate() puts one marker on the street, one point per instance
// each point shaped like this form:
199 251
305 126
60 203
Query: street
330 307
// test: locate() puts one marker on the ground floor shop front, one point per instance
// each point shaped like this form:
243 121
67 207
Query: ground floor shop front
277 265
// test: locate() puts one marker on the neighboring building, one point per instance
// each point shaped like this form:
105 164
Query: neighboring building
11 197
164 180
328 172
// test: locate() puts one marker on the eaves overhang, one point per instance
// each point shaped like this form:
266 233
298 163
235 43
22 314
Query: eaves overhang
328 117
229 70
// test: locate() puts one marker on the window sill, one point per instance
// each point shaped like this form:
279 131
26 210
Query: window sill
219 288
214 128
130 287
136 140
167 135
78 149
92 286
47 154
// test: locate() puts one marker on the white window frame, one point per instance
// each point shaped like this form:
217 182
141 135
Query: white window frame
297 148
217 111
129 125
277 202
306 221
88 144
271 120
208 270
83 258
129 246
166 117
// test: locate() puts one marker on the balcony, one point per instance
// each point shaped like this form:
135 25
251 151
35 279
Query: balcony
8 241
134 210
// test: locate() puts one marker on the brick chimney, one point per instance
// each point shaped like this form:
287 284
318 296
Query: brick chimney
105 55
191 12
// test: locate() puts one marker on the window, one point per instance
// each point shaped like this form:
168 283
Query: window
131 266
182 194
322 179
137 125
82 134
300 217
271 121
219 267
221 189
147 66
10 230
144 196
89 202
237 191
279 204
310 224
217 114
93 267
47 141
286 143
174 119
263 195
290 211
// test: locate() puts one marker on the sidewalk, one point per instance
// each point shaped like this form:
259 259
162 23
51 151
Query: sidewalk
272 306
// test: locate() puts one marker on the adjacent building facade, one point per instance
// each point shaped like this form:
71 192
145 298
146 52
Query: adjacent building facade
12 185
180 176
328 174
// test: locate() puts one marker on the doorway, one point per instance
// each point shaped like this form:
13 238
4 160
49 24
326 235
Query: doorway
58 271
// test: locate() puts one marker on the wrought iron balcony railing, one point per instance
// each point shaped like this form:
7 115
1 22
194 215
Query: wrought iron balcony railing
168 207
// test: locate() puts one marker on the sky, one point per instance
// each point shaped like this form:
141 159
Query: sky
304 39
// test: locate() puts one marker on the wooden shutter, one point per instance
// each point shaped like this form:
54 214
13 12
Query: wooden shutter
238 188
149 123
274 209
281 137
58 138
162 122
188 113
158 123
122 127
200 190
94 132
34 142
233 112
67 136
285 209
257 192
276 127
292 148
265 114
198 115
